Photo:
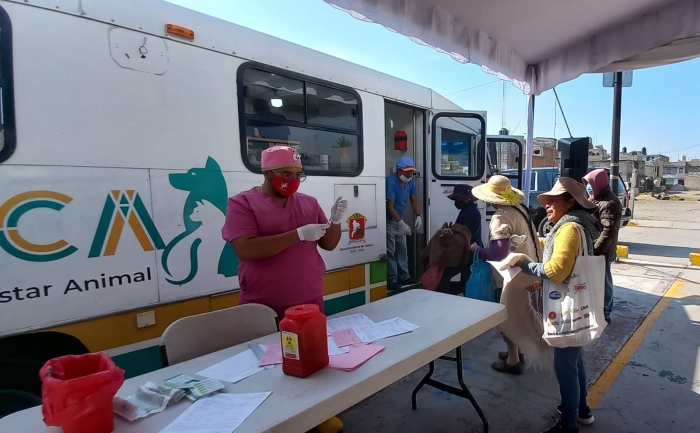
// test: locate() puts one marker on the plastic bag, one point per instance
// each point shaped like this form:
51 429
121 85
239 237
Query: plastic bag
480 285
78 392
432 277
573 311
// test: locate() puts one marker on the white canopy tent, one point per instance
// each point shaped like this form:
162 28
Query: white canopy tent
538 44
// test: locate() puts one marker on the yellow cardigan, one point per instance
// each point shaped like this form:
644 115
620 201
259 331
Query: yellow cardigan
566 248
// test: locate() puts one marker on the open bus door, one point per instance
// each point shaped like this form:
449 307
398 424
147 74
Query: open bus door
504 156
457 141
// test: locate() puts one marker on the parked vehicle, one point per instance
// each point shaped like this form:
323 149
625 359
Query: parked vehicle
543 179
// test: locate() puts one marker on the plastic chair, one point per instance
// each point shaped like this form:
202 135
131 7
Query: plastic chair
198 335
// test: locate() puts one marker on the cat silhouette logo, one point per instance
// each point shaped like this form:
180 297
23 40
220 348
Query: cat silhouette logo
356 227
203 216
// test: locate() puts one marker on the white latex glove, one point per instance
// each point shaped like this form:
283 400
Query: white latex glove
404 229
419 223
338 210
312 232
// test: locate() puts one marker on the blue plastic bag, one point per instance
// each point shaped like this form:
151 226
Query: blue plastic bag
480 285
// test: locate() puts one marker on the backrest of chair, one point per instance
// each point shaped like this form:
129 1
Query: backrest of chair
205 333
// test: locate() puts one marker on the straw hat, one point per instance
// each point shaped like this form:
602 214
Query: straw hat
499 191
573 187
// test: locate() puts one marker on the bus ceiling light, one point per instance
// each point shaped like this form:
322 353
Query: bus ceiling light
276 102
183 32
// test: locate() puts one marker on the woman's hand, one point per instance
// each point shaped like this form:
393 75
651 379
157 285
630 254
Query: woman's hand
473 247
520 263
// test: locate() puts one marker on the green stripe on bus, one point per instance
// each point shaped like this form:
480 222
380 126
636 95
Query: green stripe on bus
377 272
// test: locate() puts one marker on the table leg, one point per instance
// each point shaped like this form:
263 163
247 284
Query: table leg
463 391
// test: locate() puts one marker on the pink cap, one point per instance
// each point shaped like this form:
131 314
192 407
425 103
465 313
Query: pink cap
280 157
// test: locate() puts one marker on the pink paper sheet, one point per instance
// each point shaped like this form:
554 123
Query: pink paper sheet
272 355
355 358
345 337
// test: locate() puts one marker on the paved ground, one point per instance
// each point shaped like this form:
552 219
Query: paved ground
665 231
512 403
644 370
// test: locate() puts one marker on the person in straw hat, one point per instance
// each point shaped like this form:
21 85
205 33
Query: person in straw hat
567 207
510 230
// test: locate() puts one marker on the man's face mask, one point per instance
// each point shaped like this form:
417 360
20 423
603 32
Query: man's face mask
286 184
459 204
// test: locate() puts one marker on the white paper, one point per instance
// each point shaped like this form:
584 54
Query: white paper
385 329
234 369
335 350
504 268
219 413
347 322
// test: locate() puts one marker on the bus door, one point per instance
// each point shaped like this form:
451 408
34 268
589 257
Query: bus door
504 156
457 143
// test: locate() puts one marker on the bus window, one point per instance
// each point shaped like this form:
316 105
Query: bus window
320 121
459 146
7 109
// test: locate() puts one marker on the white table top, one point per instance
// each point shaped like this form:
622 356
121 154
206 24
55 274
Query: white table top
297 405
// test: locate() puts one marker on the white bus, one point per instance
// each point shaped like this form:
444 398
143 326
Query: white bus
128 123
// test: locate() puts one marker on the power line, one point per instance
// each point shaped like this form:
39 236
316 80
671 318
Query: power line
475 87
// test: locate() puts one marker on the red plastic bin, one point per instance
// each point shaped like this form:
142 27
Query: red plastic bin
78 392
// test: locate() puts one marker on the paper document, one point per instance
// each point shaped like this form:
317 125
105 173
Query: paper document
220 413
272 355
504 268
355 358
385 329
347 322
234 369
334 350
345 337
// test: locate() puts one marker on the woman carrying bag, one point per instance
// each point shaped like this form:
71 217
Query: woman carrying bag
510 231
571 213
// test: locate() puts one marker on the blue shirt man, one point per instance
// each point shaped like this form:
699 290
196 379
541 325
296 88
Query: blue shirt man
400 189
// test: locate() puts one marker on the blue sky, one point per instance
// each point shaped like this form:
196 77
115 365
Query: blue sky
658 111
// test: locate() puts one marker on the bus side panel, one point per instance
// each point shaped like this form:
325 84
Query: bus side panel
63 235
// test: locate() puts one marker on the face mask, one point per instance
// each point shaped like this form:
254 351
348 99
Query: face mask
460 205
285 187
403 178
589 190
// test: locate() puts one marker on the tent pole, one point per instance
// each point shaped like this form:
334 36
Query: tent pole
528 148
615 144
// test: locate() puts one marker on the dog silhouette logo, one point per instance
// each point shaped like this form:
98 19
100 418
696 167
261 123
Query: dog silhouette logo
204 209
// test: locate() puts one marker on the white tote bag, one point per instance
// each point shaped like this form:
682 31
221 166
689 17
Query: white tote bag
573 311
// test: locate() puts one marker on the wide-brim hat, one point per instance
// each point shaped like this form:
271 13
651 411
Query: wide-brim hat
573 187
499 191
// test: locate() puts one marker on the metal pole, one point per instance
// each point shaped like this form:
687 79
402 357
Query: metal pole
528 148
615 146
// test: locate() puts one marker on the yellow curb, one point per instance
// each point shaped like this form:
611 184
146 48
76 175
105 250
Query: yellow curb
695 259
632 224
605 381
622 251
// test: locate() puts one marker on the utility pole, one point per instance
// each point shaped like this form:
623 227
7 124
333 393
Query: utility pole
615 146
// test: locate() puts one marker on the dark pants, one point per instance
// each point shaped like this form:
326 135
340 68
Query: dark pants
464 271
571 375
608 303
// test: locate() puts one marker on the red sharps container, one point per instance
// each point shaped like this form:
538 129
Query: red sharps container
304 340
